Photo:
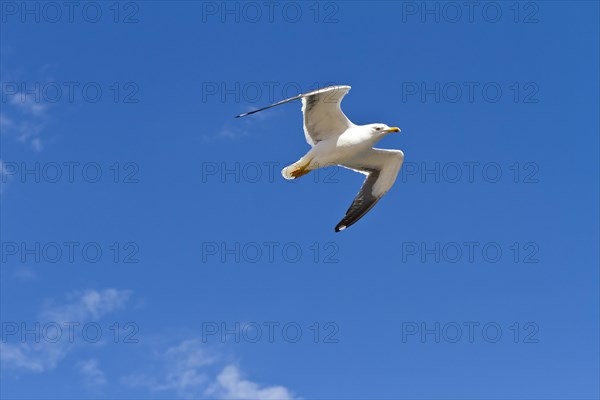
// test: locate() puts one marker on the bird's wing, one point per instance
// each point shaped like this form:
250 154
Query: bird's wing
323 116
381 168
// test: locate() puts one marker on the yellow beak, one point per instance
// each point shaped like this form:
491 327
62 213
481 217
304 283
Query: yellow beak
394 129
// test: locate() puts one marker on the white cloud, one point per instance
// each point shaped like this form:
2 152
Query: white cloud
25 274
25 117
226 132
29 105
189 354
3 176
87 305
185 361
188 370
36 144
20 357
92 374
240 127
231 133
33 356
37 354
5 123
25 129
182 371
231 385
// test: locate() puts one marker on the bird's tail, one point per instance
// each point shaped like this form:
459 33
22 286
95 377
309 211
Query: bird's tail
297 169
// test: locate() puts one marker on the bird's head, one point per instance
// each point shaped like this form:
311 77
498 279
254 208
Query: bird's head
380 130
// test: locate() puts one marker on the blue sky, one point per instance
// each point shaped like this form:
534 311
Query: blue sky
140 217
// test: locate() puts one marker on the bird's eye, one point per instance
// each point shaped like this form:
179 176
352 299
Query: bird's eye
377 129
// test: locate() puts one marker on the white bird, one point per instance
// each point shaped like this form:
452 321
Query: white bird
335 140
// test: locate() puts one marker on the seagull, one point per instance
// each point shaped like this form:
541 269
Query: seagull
335 140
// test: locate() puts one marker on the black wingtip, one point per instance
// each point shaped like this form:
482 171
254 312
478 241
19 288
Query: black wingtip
340 227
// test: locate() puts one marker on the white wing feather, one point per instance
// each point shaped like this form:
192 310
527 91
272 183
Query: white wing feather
381 167
323 115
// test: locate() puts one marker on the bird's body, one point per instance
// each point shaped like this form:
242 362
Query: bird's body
338 150
335 140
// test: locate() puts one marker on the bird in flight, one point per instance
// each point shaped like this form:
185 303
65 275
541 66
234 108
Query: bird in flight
335 140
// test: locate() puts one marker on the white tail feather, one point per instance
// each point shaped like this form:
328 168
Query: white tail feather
287 171
297 169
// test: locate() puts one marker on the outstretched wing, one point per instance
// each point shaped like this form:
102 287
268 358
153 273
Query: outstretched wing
381 167
323 116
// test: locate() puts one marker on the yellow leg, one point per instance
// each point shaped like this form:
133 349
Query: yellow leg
300 171
297 169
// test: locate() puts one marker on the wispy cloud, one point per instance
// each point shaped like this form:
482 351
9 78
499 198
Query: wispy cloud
239 128
25 274
42 355
5 124
190 370
29 105
91 372
36 143
86 305
25 117
231 133
25 129
3 175
231 385
27 358
185 369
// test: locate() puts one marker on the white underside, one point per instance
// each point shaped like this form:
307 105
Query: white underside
353 149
